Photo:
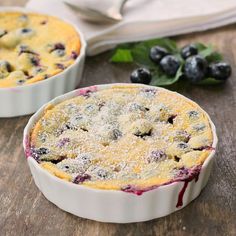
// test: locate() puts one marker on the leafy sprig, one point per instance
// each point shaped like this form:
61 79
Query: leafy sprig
138 53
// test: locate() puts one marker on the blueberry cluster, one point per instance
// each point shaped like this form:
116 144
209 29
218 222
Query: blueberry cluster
195 67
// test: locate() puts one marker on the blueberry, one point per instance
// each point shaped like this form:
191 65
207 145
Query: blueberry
102 173
26 30
182 145
21 81
157 53
81 178
170 64
141 75
189 50
195 68
60 66
219 71
199 127
74 55
63 142
42 151
193 114
156 156
116 134
36 153
5 66
35 61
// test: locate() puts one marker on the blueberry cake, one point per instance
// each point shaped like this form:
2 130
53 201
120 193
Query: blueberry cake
122 137
34 47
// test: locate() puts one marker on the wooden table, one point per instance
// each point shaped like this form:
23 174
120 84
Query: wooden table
25 211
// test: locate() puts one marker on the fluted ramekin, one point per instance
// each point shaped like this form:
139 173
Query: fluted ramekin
26 99
113 205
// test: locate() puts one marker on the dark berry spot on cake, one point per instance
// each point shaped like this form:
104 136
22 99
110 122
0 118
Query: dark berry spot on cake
102 174
182 145
58 159
171 119
35 61
203 148
44 22
38 152
177 159
21 81
30 77
60 66
59 46
37 70
156 156
100 105
2 32
81 178
5 66
42 151
143 134
26 49
116 134
46 76
199 127
84 129
69 126
26 31
182 172
74 55
193 114
63 142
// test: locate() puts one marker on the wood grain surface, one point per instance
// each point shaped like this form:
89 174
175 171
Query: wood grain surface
25 211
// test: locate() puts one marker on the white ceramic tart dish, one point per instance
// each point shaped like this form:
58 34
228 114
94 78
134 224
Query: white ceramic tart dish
120 152
28 97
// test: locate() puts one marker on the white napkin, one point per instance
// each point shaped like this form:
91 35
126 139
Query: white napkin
145 19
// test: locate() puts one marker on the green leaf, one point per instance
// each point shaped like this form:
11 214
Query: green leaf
214 57
161 79
140 51
140 54
210 81
168 44
122 55
200 46
206 52
209 53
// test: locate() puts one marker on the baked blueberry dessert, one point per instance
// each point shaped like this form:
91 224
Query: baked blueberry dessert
123 137
34 47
